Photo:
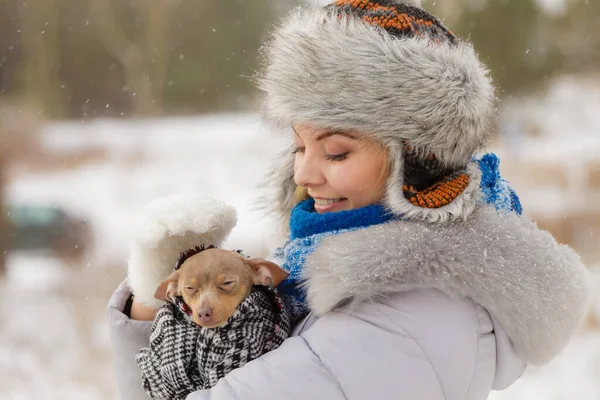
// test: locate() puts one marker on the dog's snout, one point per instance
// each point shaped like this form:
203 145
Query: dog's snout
205 314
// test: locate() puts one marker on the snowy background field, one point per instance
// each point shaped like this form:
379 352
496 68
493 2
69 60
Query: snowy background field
53 338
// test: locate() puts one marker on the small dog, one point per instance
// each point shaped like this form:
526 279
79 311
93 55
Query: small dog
231 315
214 282
216 312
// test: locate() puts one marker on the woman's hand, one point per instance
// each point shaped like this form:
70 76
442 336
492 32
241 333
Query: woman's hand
141 312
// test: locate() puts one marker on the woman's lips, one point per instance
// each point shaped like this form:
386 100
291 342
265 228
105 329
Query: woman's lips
329 207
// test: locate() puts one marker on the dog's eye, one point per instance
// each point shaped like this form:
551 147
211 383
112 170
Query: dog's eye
190 288
227 285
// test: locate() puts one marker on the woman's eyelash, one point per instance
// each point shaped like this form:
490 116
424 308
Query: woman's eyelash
329 157
337 157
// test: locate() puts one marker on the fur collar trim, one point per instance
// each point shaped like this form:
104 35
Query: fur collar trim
536 288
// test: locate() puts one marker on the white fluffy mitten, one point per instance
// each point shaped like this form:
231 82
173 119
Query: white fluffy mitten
167 227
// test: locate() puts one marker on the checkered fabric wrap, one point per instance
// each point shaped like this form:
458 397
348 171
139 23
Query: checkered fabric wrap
184 357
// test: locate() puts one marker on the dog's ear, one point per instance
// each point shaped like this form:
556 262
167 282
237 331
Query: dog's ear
168 288
266 273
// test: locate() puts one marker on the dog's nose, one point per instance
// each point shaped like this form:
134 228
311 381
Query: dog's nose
205 314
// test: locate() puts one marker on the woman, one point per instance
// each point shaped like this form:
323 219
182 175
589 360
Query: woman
419 276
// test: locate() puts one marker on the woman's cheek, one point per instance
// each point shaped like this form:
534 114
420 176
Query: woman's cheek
343 176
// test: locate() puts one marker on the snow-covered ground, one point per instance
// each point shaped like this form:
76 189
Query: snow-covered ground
53 336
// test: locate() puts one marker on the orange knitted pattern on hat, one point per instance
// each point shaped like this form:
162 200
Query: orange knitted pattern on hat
449 186
440 194
389 16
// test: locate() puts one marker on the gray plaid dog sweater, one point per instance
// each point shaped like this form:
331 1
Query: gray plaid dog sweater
184 357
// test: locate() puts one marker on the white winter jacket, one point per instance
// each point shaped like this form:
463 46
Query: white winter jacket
407 310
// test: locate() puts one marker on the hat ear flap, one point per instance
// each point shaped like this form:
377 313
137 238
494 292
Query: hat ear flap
427 182
416 198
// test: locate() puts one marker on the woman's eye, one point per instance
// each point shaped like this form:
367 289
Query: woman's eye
298 150
337 157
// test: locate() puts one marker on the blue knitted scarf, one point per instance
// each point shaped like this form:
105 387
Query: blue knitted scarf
308 228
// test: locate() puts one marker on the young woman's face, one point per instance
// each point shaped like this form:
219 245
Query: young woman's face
339 169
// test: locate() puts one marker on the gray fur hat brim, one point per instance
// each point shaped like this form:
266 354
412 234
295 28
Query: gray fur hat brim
342 73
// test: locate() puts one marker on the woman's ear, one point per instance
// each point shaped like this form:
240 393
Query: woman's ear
266 273
168 288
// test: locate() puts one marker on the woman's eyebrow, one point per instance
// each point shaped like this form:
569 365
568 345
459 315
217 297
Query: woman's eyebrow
327 134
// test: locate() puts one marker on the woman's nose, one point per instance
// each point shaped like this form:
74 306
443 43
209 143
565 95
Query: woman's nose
307 172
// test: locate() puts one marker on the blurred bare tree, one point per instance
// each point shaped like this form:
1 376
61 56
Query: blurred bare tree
41 53
91 58
579 44
143 60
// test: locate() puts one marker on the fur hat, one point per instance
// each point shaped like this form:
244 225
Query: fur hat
390 70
